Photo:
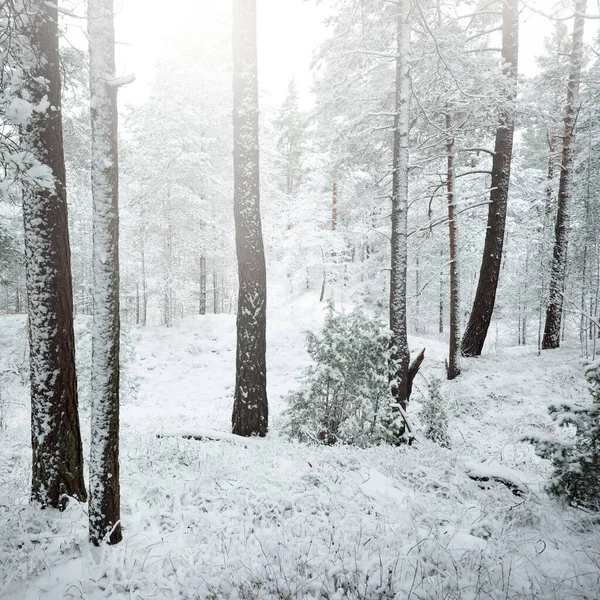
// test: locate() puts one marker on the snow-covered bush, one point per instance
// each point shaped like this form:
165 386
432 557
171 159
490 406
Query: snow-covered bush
344 396
434 415
576 475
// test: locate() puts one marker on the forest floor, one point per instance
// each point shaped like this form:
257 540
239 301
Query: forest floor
269 518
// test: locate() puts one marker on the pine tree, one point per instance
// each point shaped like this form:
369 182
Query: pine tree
576 476
57 460
400 355
559 257
489 274
250 408
290 126
104 505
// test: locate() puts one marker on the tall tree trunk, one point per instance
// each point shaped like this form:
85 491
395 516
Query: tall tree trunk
453 369
104 505
144 291
400 355
485 296
417 292
554 309
215 290
250 408
441 295
202 300
137 302
57 461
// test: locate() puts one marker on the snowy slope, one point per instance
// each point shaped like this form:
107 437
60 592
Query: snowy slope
267 518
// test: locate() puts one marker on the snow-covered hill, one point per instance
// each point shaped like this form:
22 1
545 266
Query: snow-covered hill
267 518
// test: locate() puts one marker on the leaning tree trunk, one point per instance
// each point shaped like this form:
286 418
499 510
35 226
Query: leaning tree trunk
554 309
485 296
400 356
57 462
250 408
104 505
453 369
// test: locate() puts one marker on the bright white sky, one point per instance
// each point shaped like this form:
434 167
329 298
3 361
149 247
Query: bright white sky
288 30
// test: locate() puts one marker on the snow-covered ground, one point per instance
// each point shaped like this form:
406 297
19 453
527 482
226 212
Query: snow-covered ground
269 518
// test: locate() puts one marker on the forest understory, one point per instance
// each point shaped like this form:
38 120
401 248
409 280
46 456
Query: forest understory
228 517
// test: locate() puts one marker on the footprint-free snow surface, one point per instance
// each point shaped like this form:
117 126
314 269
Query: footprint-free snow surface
222 517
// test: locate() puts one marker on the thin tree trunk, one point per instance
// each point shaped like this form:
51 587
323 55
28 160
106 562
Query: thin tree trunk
57 461
441 294
250 408
453 369
400 355
137 302
525 302
554 309
485 296
215 290
417 293
104 505
334 199
324 278
202 301
546 218
144 291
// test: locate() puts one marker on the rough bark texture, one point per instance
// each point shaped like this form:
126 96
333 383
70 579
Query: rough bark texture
250 408
485 296
57 461
104 505
400 353
453 369
554 309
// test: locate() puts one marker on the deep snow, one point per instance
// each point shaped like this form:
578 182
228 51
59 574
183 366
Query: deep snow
268 518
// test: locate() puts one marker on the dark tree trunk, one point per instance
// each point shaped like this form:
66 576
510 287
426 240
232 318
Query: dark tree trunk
250 408
202 300
441 303
105 497
453 369
400 356
334 199
57 461
215 290
137 302
485 296
554 309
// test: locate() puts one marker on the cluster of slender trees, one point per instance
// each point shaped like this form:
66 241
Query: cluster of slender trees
442 111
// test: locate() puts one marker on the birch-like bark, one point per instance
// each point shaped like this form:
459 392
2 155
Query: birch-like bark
57 454
554 309
489 274
400 353
104 505
250 408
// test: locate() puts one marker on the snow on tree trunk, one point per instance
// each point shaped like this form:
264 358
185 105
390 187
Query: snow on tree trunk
104 505
250 408
57 461
453 369
400 355
554 309
202 299
485 296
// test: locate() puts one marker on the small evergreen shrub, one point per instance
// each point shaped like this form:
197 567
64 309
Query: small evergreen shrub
576 475
434 415
344 395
